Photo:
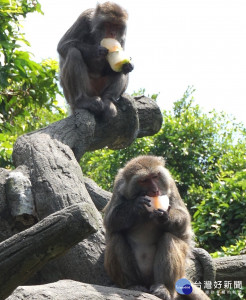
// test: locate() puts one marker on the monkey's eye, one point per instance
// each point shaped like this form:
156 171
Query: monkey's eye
107 24
155 176
143 180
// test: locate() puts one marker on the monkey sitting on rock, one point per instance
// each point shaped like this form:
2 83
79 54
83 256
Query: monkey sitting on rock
147 245
86 76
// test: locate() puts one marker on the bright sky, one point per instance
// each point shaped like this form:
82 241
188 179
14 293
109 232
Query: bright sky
173 44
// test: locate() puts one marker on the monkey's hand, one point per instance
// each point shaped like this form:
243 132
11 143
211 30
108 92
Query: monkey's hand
92 51
127 68
160 215
101 51
142 202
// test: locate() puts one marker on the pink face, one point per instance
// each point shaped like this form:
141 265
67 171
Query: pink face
150 185
113 31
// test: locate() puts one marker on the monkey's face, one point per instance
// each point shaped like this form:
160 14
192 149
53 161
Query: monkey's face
153 185
110 21
114 31
110 30
147 183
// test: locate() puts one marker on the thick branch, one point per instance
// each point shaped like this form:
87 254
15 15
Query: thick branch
25 253
99 196
231 268
70 290
82 132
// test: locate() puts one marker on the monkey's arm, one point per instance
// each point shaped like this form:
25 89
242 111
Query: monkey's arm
176 220
179 222
76 36
124 215
117 84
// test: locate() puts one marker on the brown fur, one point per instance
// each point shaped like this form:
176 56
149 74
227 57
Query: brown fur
142 164
112 12
88 81
147 249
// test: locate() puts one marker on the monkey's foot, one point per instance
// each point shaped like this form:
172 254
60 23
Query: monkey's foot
93 104
140 288
109 109
159 290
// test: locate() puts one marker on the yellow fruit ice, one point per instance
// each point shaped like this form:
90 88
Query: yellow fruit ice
111 44
116 56
159 202
156 202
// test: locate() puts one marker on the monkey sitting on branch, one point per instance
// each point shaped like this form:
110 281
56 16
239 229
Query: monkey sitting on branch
86 76
147 244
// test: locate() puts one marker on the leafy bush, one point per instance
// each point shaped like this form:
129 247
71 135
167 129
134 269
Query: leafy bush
103 165
28 90
197 145
220 217
237 249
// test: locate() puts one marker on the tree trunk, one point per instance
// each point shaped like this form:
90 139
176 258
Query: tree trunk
71 290
231 268
25 253
51 179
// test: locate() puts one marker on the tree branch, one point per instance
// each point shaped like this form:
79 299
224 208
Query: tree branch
25 253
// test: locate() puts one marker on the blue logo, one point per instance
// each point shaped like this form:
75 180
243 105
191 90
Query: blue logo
183 286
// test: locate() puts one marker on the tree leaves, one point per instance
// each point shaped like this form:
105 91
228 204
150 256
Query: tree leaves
28 90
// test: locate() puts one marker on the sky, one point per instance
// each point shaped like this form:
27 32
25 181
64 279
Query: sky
173 44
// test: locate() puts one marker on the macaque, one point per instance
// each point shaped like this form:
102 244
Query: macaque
86 77
147 247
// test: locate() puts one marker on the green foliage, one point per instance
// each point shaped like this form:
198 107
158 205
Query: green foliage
231 294
220 217
142 92
237 249
194 144
28 90
102 165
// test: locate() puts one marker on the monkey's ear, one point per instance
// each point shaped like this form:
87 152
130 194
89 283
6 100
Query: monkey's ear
119 175
120 171
98 8
162 160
